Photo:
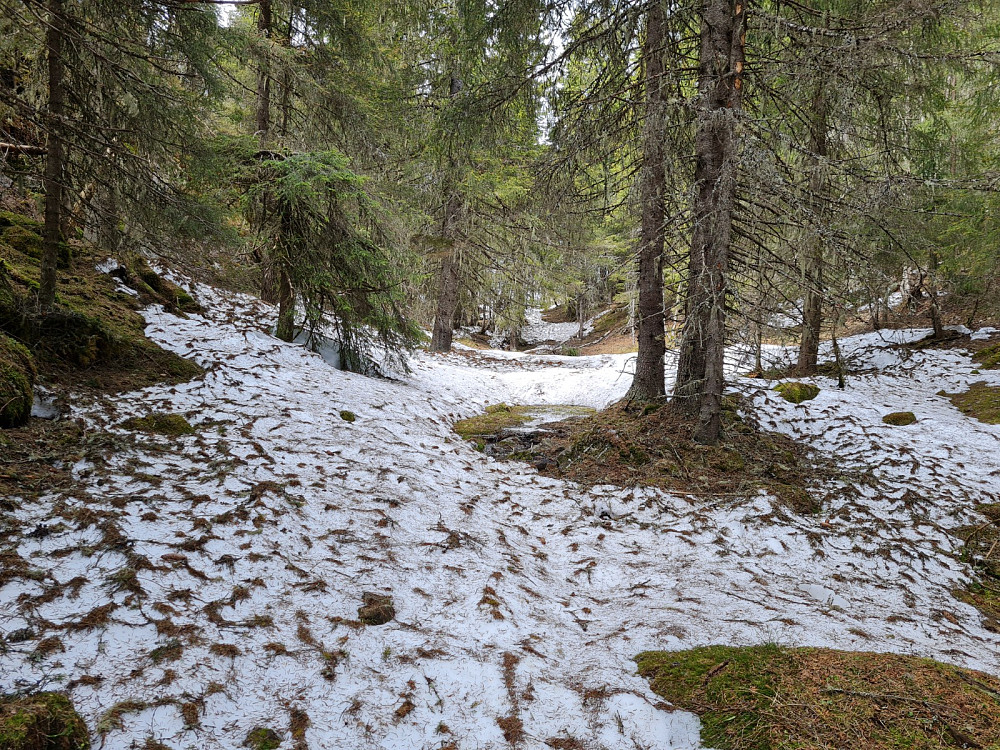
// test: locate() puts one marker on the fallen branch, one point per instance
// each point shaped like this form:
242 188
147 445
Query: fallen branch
23 148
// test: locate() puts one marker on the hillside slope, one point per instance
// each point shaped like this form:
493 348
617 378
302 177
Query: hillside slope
200 584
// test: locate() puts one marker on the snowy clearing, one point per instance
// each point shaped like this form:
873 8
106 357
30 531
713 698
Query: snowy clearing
516 597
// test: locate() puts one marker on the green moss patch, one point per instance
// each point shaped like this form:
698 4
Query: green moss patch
767 697
980 402
900 418
988 357
262 738
160 424
44 721
348 416
498 417
797 392
17 382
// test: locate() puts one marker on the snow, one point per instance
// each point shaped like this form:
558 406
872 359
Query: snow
489 564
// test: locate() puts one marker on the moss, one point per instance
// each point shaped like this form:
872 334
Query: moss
989 357
348 416
262 738
981 402
900 418
768 697
17 381
11 219
797 392
23 240
497 417
44 721
94 326
161 424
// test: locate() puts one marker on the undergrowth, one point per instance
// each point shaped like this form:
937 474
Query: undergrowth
771 698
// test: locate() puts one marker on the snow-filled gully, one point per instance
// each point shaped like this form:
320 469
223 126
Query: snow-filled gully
514 599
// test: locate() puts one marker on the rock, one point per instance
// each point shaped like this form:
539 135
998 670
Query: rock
160 424
900 418
17 381
797 392
348 416
377 609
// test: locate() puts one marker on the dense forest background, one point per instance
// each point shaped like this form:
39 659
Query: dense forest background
704 173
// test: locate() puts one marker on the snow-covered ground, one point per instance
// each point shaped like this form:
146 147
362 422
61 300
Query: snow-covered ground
516 597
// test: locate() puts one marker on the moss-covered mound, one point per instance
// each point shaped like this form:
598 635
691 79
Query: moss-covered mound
988 358
17 382
900 418
44 721
767 697
160 424
94 326
652 445
981 402
797 392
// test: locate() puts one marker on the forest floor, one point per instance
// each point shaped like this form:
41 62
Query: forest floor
189 585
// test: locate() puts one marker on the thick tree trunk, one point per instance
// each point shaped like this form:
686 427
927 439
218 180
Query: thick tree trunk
932 292
648 383
449 278
700 378
812 311
264 75
286 307
55 160
444 319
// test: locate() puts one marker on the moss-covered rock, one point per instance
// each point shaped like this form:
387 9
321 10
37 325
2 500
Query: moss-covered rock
17 382
797 392
262 738
771 698
43 721
981 401
900 418
160 424
348 416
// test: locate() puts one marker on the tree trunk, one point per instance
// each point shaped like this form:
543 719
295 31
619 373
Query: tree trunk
55 160
700 378
648 383
264 74
450 274
286 306
932 292
812 311
444 319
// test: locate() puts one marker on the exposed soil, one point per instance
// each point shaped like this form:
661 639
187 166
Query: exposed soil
652 446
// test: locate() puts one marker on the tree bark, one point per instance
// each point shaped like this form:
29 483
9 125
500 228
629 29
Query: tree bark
55 160
444 319
812 310
700 377
264 24
648 383
286 306
450 274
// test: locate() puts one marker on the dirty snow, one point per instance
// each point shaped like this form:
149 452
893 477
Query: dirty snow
516 595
